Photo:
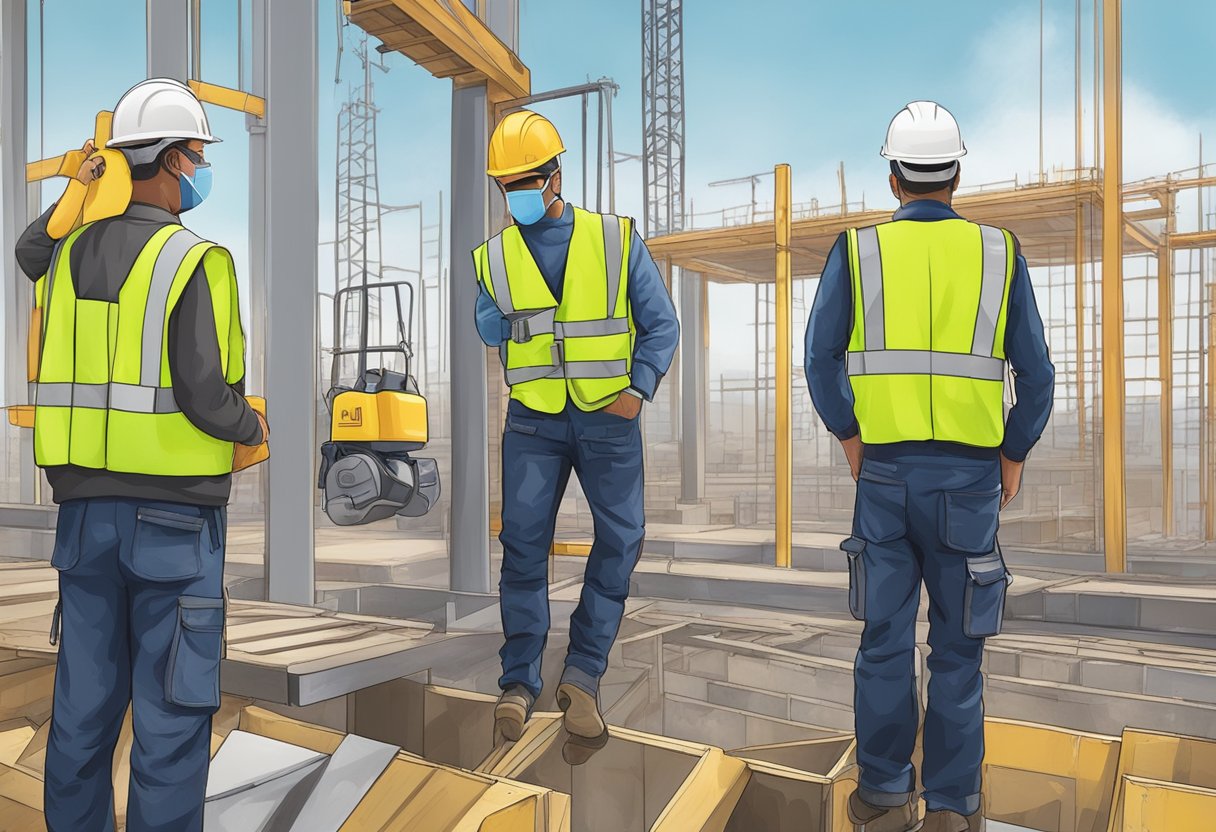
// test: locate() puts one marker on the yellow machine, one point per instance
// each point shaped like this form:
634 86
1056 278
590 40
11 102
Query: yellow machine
367 472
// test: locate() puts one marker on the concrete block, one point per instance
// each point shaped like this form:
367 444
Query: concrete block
1178 683
1108 610
1001 662
1102 675
1060 606
1048 668
748 699
1176 615
683 684
822 714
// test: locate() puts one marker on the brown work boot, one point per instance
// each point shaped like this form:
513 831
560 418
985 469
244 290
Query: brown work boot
943 820
512 712
582 715
867 818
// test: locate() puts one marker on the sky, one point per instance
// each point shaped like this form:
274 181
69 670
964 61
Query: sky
803 82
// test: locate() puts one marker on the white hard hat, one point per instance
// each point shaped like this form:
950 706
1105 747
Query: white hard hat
158 109
924 133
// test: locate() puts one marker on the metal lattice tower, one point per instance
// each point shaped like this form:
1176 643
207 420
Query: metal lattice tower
663 114
358 250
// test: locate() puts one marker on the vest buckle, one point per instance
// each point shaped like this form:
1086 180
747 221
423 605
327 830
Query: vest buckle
521 333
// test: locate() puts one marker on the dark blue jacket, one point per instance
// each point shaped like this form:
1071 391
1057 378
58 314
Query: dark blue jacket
827 338
654 316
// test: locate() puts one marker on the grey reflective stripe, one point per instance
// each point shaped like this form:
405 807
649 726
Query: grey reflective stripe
992 290
925 362
569 370
591 329
168 261
521 375
126 397
612 259
870 261
597 369
497 263
135 398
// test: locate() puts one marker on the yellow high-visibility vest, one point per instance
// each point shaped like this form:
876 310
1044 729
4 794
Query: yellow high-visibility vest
104 397
926 358
581 348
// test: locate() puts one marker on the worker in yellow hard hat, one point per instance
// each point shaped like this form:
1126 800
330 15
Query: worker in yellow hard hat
915 325
139 409
586 329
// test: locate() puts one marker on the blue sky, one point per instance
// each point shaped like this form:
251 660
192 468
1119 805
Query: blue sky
808 83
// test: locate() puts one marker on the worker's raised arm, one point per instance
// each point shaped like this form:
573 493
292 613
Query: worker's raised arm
35 247
1033 374
827 339
654 317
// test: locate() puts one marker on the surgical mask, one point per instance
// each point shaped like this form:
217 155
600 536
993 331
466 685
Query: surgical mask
194 189
528 206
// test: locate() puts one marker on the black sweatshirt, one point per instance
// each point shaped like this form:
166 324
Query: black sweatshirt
101 258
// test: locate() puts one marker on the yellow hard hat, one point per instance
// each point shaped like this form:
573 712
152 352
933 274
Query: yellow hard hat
521 142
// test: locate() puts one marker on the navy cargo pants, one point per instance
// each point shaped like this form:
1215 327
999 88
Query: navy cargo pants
934 519
140 620
538 453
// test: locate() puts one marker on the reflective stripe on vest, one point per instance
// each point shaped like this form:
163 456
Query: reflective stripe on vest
926 353
587 355
104 397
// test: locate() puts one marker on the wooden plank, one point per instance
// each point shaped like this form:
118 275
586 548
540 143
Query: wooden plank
331 639
460 33
708 796
403 778
274 726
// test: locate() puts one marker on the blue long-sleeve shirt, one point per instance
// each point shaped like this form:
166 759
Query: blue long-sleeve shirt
830 324
654 316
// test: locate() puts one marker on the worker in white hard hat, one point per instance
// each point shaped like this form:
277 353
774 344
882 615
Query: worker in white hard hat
138 408
915 325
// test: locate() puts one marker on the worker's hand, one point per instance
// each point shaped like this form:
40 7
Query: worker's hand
627 406
90 169
854 451
265 427
1011 479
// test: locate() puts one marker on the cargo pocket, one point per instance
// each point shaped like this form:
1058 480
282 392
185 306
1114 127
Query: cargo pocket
69 530
192 676
854 548
880 510
971 520
167 545
984 604
619 436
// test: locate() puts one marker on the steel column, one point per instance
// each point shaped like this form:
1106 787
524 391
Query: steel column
292 216
168 24
1165 350
784 443
692 381
469 541
15 215
1113 385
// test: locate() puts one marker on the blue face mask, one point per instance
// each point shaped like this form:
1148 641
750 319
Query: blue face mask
528 206
195 188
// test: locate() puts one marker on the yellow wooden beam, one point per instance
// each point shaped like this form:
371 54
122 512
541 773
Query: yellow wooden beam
229 98
458 34
1193 239
782 220
1113 385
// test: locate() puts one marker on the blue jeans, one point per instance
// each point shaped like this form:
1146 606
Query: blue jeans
538 453
140 620
932 519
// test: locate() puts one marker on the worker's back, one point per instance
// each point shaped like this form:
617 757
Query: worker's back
926 350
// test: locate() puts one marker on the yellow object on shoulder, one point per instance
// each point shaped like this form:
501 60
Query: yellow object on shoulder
105 197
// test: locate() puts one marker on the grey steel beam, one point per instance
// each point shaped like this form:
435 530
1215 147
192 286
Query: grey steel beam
469 543
692 387
292 215
14 215
168 32
257 205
